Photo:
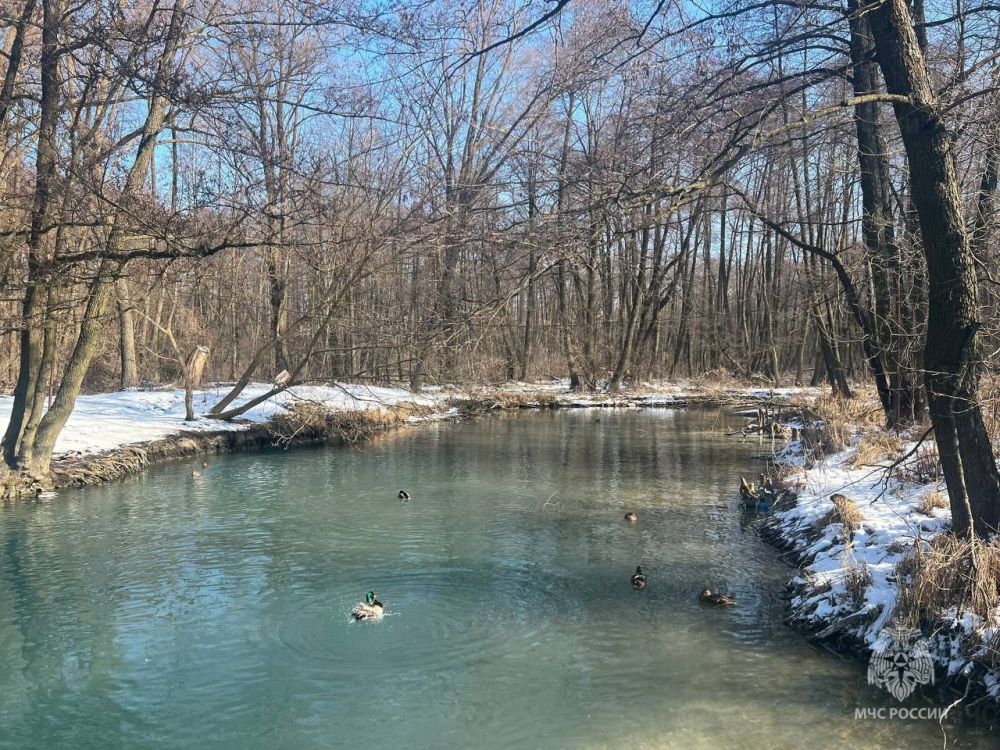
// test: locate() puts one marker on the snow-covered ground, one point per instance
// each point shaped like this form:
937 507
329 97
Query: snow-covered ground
895 518
655 392
104 421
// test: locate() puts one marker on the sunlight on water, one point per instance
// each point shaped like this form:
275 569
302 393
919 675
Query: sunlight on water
173 612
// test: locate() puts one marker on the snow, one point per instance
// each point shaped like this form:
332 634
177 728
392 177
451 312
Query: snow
892 524
104 421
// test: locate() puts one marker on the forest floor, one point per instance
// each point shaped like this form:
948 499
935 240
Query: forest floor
855 551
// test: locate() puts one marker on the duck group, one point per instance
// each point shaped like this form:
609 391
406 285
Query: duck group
372 609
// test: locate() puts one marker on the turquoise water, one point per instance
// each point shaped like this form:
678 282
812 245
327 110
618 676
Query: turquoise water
171 611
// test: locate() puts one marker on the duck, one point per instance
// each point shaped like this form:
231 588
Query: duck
195 473
370 609
204 464
710 597
631 517
638 580
403 495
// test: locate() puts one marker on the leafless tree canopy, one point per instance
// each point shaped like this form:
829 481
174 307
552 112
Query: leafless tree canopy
480 190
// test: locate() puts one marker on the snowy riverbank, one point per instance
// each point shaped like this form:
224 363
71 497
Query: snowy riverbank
848 589
107 421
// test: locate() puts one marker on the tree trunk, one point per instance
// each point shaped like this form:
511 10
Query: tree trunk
126 325
952 356
878 227
194 369
33 306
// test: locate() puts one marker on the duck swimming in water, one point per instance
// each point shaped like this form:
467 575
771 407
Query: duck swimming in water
370 609
638 580
403 495
631 517
710 597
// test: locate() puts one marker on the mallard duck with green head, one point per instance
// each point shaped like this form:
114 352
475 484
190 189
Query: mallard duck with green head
370 609
714 597
638 580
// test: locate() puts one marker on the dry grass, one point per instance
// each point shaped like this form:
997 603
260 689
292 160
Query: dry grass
932 500
949 572
841 418
832 437
898 545
485 402
313 418
720 379
845 512
857 579
949 577
863 410
876 446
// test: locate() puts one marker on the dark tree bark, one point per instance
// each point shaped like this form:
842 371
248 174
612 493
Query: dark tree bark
952 355
900 402
33 303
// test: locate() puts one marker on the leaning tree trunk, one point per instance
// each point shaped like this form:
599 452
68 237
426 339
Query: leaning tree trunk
951 356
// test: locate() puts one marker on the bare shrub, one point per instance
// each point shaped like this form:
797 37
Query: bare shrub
923 467
990 399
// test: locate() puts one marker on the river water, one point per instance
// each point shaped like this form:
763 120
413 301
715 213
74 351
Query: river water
172 611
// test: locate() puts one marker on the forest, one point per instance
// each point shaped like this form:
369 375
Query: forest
488 191
585 203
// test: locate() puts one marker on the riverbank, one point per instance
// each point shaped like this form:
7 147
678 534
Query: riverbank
113 435
870 513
